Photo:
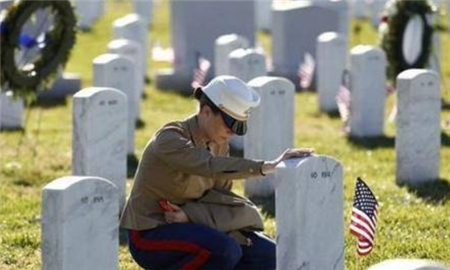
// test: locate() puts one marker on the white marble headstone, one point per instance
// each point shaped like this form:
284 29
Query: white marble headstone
88 11
309 214
418 139
132 50
295 28
115 71
368 91
145 10
408 264
224 46
270 129
195 25
132 27
341 8
331 63
245 64
11 111
263 14
80 224
359 9
99 141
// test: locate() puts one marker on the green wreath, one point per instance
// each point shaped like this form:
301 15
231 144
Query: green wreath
54 46
392 28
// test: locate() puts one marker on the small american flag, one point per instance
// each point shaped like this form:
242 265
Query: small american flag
390 89
393 114
364 217
305 71
200 72
343 100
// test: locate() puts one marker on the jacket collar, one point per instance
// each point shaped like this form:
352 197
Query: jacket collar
197 136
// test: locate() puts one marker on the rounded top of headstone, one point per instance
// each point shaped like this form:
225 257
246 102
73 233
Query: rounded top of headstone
329 36
113 58
94 91
368 51
127 19
120 42
232 38
290 5
68 181
224 39
407 264
362 49
105 58
239 53
259 82
414 73
297 162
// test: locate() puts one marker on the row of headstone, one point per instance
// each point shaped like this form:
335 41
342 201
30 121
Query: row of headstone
331 63
118 72
192 38
293 34
99 141
233 57
132 27
368 91
264 141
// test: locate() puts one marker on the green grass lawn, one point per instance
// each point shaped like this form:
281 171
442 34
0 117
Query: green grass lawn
414 223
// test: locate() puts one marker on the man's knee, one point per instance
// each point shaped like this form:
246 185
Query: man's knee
228 254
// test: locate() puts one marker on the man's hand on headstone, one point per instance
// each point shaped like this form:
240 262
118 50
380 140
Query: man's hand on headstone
269 166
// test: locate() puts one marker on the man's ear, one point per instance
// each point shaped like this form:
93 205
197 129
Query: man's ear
205 110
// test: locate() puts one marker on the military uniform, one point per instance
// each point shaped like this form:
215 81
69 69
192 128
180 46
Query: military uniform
180 166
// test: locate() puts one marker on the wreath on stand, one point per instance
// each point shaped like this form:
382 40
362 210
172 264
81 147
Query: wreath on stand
395 32
36 38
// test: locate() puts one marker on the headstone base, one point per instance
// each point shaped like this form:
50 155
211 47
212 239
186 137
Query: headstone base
168 79
67 85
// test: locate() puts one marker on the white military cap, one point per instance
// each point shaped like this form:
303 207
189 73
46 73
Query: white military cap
234 99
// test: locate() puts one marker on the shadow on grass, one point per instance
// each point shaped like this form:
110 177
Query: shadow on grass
445 139
373 142
445 105
267 204
140 123
132 164
434 192
12 130
48 102
334 114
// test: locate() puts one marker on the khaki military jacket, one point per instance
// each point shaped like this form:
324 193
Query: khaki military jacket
179 165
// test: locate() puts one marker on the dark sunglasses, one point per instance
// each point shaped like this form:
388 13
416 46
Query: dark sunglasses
238 127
